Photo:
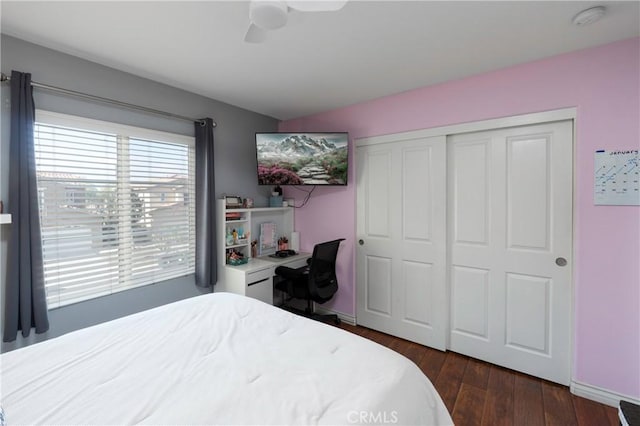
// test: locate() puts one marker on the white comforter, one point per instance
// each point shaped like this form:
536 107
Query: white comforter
215 359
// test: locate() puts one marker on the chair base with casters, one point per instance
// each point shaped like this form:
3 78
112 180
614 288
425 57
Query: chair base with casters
309 312
316 282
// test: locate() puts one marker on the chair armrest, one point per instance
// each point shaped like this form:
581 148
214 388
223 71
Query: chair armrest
291 273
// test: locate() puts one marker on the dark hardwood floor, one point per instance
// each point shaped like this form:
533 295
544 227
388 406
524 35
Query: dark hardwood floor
479 393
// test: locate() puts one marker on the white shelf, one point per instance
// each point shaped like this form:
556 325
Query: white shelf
5 218
237 245
260 209
236 221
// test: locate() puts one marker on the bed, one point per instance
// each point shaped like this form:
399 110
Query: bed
215 359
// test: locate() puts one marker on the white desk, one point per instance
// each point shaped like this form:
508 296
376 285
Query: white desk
255 278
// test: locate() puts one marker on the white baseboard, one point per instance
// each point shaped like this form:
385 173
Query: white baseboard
601 395
349 319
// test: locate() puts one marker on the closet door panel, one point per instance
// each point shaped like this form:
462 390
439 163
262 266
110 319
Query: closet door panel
377 220
527 191
470 192
470 302
415 206
528 323
378 292
418 282
417 195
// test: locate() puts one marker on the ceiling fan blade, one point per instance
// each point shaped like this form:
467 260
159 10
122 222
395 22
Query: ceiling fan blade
267 14
316 5
255 34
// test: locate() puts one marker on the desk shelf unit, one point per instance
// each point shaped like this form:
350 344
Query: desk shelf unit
246 223
236 233
254 278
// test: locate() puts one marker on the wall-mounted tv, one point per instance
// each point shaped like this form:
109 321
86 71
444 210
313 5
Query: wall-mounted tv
302 158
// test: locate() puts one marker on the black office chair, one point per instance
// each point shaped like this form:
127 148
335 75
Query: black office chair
315 282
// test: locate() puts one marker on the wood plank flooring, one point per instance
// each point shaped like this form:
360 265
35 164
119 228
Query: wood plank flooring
479 393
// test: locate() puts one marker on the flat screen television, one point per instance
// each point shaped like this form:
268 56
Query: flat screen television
302 158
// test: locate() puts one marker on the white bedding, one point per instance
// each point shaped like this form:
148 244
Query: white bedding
215 359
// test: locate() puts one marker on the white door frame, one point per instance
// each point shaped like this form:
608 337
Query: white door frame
498 123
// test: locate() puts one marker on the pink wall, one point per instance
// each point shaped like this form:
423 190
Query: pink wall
603 83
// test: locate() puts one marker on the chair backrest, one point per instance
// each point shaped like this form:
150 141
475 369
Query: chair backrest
323 283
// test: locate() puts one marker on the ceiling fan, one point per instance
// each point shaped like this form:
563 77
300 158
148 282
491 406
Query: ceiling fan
266 15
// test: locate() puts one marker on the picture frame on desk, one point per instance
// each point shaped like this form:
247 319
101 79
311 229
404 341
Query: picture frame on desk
268 242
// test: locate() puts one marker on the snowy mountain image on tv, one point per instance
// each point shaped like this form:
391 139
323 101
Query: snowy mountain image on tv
302 158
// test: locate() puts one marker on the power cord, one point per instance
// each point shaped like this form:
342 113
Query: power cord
306 198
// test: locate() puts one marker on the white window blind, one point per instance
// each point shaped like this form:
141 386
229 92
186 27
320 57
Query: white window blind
117 206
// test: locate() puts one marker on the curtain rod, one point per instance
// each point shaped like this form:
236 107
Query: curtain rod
4 77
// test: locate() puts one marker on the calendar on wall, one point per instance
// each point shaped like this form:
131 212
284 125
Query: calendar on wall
617 178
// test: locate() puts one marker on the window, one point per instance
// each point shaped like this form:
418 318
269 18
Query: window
115 208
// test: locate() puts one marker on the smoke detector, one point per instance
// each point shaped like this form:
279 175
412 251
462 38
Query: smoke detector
589 16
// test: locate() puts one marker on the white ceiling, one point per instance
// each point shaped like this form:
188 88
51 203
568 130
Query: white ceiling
318 61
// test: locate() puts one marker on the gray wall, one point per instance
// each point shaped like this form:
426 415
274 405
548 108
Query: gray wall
235 159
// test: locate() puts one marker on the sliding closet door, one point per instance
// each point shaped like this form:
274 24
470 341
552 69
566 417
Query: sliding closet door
510 230
401 264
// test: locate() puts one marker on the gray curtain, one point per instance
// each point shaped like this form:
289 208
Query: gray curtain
25 301
206 266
